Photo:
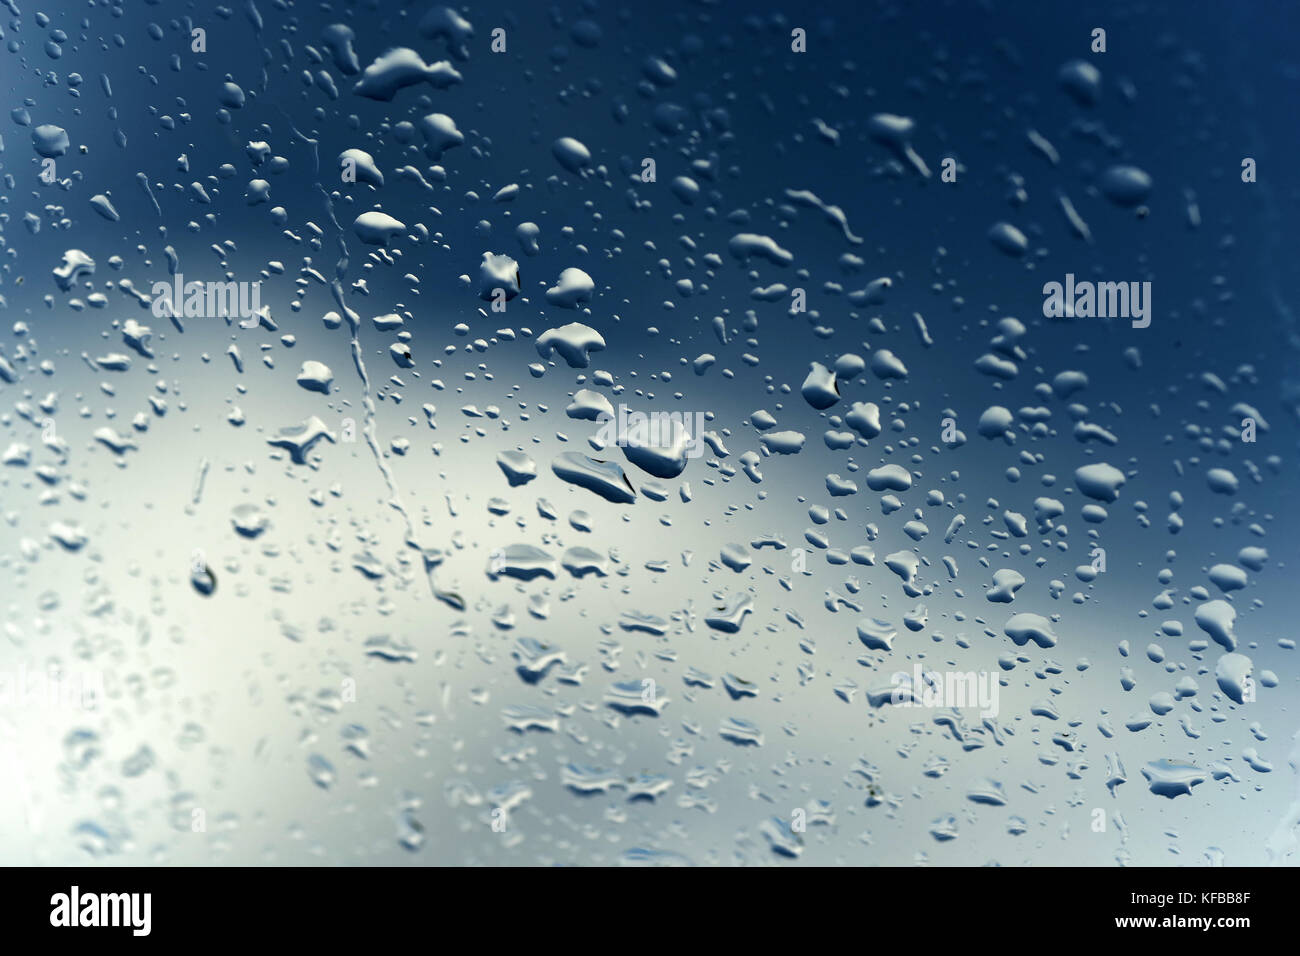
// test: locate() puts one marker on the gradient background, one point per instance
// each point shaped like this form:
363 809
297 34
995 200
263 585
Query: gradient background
224 700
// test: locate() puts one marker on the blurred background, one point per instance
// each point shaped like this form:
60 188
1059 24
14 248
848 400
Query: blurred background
322 704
